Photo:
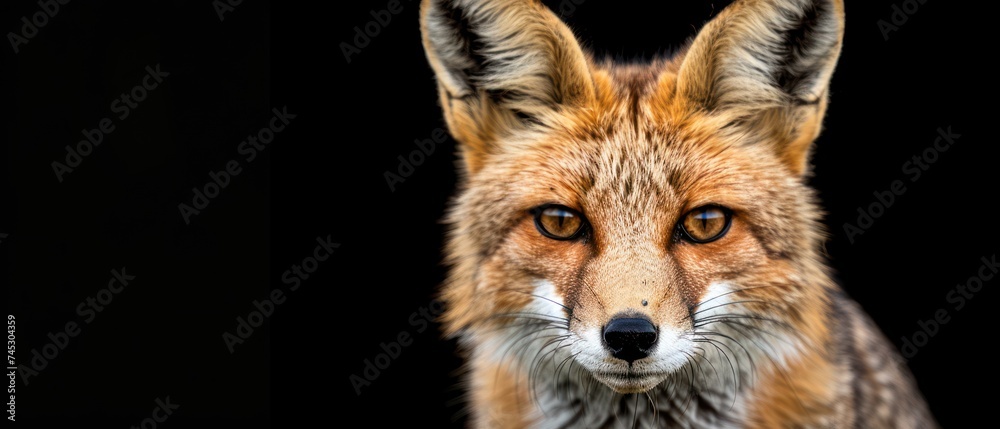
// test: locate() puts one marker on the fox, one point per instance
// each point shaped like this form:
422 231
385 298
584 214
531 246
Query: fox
636 244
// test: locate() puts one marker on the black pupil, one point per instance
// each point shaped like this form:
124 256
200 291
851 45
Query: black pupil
558 222
705 223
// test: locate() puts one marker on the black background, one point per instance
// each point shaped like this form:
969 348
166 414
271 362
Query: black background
323 177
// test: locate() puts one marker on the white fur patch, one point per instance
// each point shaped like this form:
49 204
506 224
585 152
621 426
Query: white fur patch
563 363
534 335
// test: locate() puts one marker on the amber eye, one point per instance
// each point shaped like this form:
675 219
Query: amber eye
558 222
706 223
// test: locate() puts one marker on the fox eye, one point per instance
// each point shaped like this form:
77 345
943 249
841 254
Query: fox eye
706 224
558 222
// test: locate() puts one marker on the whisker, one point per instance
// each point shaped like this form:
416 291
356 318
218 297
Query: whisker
736 378
650 394
528 315
747 301
778 368
732 292
716 344
571 359
709 319
564 307
707 360
635 411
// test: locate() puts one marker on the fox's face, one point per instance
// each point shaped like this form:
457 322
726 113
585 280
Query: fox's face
633 223
629 242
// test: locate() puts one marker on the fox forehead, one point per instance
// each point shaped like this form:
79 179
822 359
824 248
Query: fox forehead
632 174
626 152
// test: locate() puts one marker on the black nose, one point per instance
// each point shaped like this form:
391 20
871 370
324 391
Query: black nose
629 339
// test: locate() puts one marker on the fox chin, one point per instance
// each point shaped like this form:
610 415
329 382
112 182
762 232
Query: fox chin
635 245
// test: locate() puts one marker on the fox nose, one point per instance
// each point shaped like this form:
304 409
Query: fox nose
629 339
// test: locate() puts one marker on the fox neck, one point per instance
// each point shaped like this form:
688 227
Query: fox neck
688 399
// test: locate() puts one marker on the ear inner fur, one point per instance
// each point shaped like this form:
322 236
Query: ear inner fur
503 67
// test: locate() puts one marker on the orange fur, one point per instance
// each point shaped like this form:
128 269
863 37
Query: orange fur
729 122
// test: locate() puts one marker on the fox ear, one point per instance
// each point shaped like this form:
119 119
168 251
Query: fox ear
763 67
502 66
